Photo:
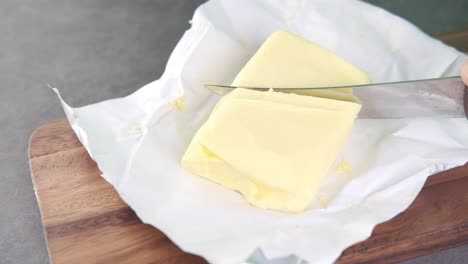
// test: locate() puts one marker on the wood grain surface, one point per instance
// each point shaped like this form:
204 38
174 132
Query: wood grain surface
85 220
457 39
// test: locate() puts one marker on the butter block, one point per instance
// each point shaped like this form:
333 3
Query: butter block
286 60
274 148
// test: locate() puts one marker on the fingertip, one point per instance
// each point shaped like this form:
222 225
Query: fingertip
464 72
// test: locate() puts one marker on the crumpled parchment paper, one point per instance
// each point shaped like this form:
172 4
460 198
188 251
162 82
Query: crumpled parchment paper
138 141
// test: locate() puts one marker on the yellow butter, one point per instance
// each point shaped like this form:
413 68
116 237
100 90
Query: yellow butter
179 104
276 148
286 60
343 167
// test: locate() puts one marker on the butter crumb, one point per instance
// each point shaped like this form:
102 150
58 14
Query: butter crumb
136 127
343 167
179 104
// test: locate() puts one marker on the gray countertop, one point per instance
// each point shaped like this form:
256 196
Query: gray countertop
92 50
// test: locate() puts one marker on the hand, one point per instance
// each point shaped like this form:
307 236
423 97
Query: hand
464 72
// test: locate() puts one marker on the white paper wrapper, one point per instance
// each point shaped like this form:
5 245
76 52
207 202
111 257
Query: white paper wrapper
138 141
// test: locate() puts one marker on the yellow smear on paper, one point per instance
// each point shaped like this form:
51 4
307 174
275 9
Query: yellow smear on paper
179 104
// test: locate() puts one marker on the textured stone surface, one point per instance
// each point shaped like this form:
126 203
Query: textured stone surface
91 50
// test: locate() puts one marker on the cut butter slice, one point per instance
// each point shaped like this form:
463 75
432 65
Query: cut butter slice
276 148
272 147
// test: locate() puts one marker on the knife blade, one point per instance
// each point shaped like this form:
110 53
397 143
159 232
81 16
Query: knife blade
440 97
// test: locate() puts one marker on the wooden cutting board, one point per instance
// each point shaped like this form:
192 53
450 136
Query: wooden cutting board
85 220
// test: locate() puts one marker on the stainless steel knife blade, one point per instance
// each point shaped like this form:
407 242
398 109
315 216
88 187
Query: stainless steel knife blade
441 97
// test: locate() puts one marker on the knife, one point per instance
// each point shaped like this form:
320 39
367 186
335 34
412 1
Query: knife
441 97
